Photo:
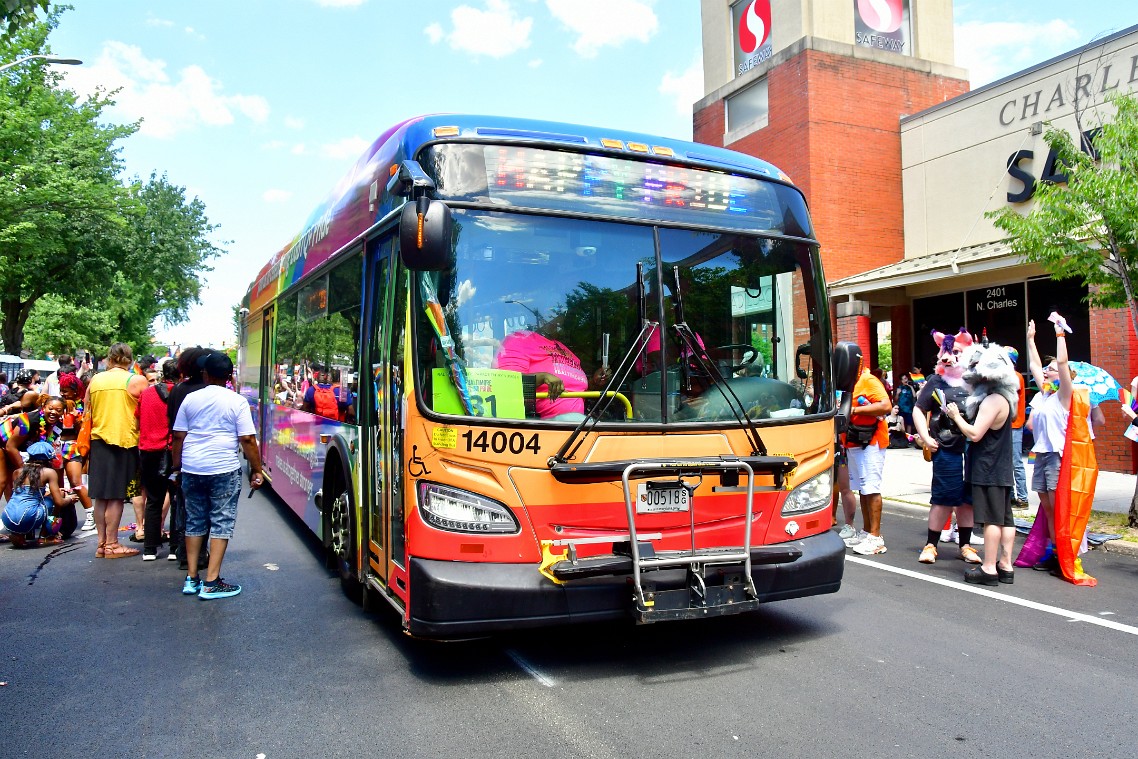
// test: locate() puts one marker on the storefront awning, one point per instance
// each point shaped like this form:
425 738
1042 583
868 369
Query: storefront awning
949 264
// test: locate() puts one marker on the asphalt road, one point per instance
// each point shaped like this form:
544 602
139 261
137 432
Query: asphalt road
108 659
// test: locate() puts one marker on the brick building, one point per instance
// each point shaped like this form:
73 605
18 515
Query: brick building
862 106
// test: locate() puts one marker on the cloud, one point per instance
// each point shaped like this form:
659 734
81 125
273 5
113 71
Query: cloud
349 147
276 196
298 149
293 122
166 106
601 23
534 63
684 88
496 31
993 50
159 22
340 3
275 145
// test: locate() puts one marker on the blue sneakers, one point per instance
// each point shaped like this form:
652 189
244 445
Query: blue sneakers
192 586
218 589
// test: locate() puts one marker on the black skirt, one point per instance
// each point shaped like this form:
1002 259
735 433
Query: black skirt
110 470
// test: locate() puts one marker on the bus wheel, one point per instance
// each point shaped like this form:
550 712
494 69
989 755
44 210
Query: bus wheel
343 544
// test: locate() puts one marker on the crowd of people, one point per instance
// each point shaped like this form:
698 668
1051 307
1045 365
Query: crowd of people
166 436
969 418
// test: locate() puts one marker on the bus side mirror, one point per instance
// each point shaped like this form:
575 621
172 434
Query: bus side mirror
426 233
844 365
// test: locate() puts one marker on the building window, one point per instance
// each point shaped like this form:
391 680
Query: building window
747 108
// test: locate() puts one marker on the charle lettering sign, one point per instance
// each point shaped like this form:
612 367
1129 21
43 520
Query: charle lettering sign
1053 101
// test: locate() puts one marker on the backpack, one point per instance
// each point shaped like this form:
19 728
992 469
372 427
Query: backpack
326 403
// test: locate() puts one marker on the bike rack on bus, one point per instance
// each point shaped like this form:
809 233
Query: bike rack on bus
721 599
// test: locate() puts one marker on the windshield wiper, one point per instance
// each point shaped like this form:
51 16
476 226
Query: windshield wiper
699 353
627 362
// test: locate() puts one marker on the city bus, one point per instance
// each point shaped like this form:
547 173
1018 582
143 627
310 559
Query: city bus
517 373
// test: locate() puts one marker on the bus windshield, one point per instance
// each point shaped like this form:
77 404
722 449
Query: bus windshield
539 312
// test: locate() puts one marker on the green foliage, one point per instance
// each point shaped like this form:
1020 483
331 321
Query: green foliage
114 257
16 14
885 355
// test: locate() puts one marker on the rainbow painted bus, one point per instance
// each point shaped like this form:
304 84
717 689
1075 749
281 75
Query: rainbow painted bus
517 373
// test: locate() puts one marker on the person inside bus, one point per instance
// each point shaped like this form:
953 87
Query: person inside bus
548 365
323 397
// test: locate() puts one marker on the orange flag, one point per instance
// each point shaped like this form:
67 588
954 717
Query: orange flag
1078 474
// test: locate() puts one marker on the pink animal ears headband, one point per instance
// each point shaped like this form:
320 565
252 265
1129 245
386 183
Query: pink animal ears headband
946 342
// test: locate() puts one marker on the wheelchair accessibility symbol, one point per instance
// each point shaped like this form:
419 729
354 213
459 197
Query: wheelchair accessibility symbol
416 467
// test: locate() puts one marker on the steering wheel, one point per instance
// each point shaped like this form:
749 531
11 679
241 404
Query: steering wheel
750 353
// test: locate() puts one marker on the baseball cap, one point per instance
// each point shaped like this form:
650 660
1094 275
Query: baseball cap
41 451
216 364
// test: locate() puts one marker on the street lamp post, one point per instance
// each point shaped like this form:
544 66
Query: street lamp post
47 58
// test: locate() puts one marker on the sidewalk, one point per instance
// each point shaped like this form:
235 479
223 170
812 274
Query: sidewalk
907 478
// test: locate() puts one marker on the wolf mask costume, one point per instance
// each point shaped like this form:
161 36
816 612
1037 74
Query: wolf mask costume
990 370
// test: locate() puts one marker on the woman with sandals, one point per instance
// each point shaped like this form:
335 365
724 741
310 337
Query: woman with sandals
29 511
112 401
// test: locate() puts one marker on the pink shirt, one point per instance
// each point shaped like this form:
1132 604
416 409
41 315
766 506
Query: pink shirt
528 352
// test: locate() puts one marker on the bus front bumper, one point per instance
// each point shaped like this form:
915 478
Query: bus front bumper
451 599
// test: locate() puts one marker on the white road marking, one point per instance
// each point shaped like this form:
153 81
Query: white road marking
271 567
1072 616
531 670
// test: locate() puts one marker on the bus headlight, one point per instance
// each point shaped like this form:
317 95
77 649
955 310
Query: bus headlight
815 493
457 510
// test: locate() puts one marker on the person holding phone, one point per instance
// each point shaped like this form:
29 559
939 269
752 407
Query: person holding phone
212 426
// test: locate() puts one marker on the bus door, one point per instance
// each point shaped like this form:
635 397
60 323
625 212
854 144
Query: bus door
268 392
377 456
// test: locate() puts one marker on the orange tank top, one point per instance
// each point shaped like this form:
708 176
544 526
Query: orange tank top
113 409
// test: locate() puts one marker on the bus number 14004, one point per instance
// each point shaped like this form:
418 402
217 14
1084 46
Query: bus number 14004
500 442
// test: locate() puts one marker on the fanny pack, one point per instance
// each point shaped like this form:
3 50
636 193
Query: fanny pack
861 434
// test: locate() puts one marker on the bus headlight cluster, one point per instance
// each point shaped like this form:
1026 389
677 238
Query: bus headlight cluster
815 493
457 510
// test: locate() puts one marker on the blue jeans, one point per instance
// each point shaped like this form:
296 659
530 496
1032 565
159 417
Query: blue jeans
211 503
1020 493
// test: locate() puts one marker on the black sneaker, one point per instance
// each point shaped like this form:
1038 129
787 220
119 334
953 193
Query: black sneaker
218 589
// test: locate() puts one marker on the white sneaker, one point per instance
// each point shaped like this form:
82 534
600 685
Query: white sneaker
89 523
857 537
977 538
847 532
949 536
872 544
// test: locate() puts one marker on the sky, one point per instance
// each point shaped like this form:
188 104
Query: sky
258 107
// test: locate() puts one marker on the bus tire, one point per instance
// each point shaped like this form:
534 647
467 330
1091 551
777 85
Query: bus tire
342 542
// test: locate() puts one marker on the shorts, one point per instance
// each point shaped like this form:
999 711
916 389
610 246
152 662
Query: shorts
866 465
110 470
211 503
1045 473
992 504
948 480
69 451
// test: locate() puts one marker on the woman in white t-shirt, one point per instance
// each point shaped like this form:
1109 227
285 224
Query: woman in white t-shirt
1048 420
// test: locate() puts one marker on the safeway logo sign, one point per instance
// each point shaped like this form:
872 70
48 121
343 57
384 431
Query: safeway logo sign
752 34
883 24
881 15
755 26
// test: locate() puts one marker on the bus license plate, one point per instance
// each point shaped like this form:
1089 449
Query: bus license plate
661 497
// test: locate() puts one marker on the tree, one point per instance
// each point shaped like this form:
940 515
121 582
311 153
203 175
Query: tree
17 14
63 225
115 257
1088 228
885 355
